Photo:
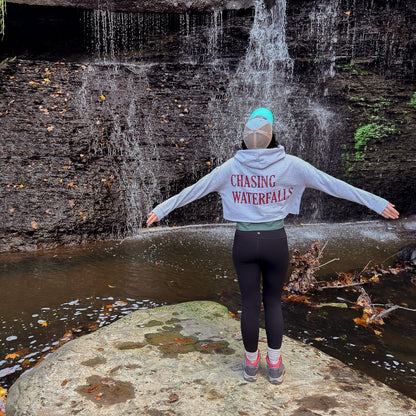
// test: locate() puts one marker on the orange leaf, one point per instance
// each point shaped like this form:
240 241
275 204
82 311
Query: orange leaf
12 356
34 225
361 321
91 389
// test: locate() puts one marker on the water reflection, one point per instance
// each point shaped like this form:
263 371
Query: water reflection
50 295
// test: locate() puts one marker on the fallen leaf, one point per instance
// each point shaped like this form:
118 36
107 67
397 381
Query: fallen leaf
64 383
91 389
102 97
12 356
34 225
18 354
173 397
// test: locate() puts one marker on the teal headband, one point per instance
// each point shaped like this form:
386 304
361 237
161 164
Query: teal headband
262 112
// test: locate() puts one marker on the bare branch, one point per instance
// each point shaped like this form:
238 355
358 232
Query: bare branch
330 261
322 249
364 267
341 286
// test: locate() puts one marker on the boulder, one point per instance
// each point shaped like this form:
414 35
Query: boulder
186 359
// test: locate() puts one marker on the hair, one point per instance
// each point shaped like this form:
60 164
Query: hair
273 143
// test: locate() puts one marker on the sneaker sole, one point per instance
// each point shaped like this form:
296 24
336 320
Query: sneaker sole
247 377
278 380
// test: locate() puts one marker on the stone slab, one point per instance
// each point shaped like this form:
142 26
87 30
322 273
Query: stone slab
186 359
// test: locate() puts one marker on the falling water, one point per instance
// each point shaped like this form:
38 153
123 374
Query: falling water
264 77
124 130
261 80
323 28
118 80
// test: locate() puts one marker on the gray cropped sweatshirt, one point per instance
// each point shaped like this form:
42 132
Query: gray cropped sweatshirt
261 185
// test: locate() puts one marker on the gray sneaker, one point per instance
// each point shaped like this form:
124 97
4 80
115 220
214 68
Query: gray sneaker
276 371
250 369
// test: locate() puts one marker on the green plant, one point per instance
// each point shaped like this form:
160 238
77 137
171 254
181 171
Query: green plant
371 131
2 16
413 100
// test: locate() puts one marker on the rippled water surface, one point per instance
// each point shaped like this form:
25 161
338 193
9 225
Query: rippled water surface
46 294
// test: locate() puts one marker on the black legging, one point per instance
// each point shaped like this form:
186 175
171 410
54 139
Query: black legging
256 254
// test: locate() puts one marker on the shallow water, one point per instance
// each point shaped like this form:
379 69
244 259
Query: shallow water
46 294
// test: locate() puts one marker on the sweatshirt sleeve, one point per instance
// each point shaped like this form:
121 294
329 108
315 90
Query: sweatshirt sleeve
316 179
207 184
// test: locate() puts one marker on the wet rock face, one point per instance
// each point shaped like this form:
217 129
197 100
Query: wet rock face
96 129
164 6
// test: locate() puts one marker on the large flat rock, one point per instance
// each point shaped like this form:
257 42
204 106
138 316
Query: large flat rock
186 359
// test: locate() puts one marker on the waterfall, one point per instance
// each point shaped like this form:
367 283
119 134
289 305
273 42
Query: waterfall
123 130
323 28
261 80
264 78
125 126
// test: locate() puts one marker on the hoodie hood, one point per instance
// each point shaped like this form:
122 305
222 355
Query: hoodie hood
260 158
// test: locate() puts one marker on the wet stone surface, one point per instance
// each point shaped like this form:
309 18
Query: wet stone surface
106 391
127 369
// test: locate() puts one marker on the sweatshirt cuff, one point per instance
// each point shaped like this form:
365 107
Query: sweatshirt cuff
158 212
381 206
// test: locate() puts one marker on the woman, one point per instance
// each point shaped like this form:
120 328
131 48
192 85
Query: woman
259 187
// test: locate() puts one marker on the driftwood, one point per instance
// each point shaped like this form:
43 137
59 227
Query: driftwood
304 266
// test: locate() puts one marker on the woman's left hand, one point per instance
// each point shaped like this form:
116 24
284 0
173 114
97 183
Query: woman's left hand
390 212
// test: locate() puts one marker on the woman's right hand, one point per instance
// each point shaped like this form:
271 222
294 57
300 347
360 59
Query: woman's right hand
152 218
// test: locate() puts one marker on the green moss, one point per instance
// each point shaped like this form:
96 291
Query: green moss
413 100
372 131
171 343
2 17
130 345
153 322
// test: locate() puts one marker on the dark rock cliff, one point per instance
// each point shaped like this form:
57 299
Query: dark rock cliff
95 130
